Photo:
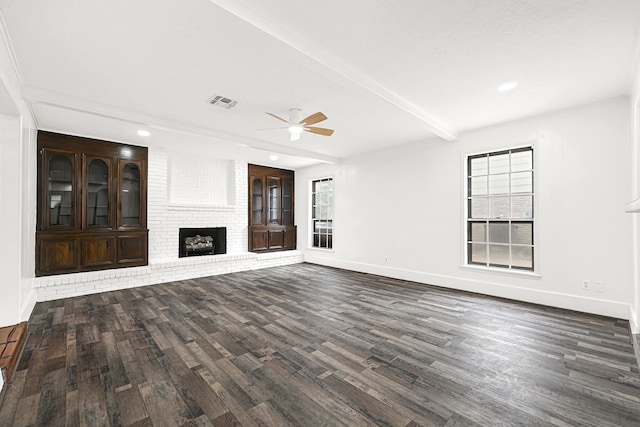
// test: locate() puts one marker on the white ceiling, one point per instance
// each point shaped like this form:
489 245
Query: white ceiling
384 72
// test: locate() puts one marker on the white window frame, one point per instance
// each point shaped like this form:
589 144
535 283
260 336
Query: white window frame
312 219
535 218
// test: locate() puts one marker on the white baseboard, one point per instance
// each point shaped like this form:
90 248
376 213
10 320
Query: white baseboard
27 306
597 306
633 321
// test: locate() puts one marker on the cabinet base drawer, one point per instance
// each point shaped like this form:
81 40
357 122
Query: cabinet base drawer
61 253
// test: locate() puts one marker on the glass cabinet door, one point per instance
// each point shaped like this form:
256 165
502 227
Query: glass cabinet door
130 197
287 202
273 191
97 213
256 201
60 191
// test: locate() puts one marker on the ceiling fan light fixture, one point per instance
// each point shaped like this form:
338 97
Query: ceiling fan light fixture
295 131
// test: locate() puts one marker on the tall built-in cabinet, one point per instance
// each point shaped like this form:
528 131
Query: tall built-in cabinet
92 205
271 209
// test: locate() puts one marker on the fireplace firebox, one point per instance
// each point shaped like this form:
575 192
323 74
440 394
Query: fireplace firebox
202 241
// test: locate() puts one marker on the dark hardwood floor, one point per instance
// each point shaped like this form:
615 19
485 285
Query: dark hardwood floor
310 346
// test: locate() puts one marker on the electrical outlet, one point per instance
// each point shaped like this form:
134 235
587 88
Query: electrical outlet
598 286
586 285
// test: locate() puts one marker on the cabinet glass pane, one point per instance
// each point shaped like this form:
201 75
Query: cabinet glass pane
97 193
60 189
130 195
287 203
272 189
256 201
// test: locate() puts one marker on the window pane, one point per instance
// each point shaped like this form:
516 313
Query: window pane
478 186
499 255
499 207
522 207
499 184
499 163
322 213
479 207
521 160
479 166
499 232
323 198
478 253
522 256
522 182
478 231
522 233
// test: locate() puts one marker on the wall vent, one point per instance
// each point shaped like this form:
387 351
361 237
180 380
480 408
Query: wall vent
223 102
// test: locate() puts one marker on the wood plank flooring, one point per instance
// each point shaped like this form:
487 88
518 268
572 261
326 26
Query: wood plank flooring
306 345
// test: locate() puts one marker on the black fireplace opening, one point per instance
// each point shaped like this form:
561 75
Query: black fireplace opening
202 241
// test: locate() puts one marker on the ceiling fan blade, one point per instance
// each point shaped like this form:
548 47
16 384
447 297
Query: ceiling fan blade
319 131
276 117
313 119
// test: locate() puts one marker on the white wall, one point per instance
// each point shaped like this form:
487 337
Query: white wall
17 194
407 204
635 191
10 214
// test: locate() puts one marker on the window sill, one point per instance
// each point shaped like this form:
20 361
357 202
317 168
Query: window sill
325 250
502 271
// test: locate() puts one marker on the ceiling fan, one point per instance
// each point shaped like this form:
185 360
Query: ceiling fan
297 126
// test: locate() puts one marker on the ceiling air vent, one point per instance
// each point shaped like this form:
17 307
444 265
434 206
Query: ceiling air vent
223 102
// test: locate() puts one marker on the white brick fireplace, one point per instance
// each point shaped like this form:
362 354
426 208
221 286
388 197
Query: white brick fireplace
183 191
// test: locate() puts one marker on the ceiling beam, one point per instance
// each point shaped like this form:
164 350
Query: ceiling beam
321 56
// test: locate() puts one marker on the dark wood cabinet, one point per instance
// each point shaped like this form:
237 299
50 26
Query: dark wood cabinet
271 209
91 205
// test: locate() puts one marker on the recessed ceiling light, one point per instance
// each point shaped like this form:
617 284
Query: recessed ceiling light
507 86
273 157
143 132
